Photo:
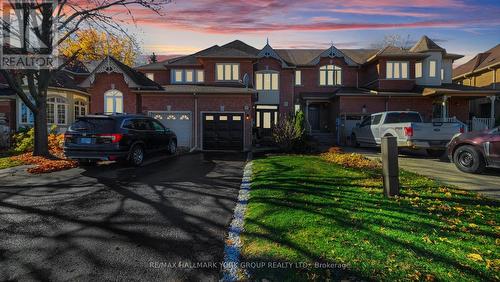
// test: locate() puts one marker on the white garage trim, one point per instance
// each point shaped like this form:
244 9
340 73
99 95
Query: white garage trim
202 114
179 133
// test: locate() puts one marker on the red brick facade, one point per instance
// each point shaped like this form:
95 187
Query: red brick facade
8 107
104 82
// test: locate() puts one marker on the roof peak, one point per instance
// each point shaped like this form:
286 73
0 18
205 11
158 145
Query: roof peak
426 44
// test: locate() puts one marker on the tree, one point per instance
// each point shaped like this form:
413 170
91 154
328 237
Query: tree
152 58
33 26
289 131
91 45
393 40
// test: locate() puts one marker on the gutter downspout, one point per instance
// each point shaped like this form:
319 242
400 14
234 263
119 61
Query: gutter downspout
195 123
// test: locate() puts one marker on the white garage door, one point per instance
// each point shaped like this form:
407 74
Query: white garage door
179 122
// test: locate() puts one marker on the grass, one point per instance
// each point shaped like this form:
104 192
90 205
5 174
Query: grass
6 162
303 209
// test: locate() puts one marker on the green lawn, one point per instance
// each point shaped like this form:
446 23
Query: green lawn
6 162
304 209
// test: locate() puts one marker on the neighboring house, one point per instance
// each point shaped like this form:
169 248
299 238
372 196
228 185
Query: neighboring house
230 97
481 71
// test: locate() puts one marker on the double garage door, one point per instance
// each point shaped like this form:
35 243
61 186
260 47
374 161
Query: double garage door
222 131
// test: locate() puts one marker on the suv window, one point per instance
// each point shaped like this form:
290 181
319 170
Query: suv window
157 126
95 125
366 121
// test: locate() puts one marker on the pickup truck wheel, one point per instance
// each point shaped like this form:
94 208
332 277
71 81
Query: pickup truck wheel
468 159
136 155
354 141
435 153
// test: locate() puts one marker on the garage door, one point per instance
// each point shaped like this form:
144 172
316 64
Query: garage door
181 123
222 131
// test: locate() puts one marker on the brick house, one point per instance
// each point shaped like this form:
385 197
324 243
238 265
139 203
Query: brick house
231 96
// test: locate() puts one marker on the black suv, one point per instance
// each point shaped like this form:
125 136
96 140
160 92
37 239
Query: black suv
117 137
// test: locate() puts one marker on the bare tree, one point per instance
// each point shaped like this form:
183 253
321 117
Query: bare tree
35 29
393 40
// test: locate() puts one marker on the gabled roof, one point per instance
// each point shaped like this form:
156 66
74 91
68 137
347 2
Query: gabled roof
298 57
242 46
395 52
133 78
479 62
425 44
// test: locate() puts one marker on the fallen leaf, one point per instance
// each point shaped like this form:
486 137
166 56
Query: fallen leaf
475 257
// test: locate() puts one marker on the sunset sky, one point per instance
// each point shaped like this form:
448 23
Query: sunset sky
461 26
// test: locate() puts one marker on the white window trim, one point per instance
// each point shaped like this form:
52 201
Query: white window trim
435 68
28 114
299 73
117 94
85 106
270 72
336 69
183 76
56 114
224 70
421 70
399 63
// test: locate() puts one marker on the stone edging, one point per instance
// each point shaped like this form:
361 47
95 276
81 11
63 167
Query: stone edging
231 270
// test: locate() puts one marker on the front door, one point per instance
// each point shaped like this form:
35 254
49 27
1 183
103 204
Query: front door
266 117
313 116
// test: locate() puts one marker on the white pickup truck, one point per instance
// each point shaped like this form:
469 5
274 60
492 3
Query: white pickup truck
409 128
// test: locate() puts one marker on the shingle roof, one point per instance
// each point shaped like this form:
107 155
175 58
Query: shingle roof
393 51
426 44
63 79
305 57
242 46
138 77
480 61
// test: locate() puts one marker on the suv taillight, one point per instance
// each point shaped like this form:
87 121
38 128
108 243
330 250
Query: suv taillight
462 129
408 131
110 138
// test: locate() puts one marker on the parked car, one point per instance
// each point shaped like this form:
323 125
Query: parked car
409 129
117 137
473 151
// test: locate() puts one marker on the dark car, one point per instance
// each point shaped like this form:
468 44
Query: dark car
117 137
473 151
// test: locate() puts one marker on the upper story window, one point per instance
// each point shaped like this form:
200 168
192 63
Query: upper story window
418 69
227 71
80 108
298 77
330 75
187 76
267 80
113 102
396 70
150 75
57 109
432 68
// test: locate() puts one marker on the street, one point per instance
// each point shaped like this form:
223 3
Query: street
119 223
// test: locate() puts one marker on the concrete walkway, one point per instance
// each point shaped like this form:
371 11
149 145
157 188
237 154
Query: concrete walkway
487 183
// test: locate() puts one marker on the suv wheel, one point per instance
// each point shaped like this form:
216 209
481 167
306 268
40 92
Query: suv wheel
172 147
136 157
468 159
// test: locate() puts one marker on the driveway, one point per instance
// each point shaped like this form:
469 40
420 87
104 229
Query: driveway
154 223
487 184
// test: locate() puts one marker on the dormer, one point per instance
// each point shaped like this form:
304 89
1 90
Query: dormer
437 67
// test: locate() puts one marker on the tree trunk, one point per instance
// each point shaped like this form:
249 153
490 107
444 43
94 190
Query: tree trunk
41 146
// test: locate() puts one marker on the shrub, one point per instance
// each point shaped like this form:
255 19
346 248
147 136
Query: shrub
23 140
288 133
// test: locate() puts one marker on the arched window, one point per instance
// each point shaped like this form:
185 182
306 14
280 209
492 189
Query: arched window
80 108
330 75
57 110
113 102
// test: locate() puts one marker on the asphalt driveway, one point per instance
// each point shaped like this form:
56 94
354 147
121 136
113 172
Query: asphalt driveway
154 223
487 183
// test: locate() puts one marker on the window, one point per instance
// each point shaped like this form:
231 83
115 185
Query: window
157 126
397 70
228 72
432 68
442 74
80 108
376 119
113 102
56 110
150 75
298 77
188 76
330 75
26 114
267 81
418 69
